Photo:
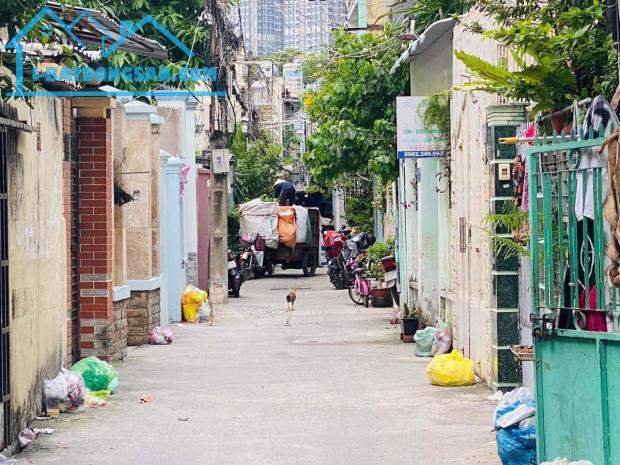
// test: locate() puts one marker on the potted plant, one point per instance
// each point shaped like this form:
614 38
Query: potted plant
381 294
409 323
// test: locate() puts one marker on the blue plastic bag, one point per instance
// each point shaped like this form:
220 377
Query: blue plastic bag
517 445
516 428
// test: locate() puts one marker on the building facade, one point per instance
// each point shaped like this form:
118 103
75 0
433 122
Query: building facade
270 26
262 26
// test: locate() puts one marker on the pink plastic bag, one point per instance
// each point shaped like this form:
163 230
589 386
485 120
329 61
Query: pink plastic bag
442 342
160 336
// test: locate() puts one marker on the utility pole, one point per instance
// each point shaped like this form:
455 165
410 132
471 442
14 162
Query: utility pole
218 272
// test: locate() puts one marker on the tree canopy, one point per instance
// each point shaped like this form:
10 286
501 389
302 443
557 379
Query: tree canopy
355 108
563 49
257 165
191 21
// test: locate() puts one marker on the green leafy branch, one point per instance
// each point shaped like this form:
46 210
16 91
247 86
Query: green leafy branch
514 221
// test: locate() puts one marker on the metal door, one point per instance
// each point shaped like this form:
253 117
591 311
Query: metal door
577 363
71 154
8 145
462 161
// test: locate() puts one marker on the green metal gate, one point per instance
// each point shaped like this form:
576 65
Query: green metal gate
577 367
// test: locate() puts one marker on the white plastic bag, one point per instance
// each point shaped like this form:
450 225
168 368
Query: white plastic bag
442 341
301 223
4 460
56 388
560 461
258 217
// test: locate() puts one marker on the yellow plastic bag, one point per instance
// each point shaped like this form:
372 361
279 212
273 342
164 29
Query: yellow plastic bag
190 312
451 370
191 300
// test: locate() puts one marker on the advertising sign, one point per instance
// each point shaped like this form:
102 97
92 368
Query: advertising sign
413 140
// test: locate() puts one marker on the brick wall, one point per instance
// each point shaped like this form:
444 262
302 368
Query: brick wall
95 255
142 315
119 330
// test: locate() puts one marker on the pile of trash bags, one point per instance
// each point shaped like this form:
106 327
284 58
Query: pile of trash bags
65 393
97 374
451 370
515 424
89 383
277 225
447 368
433 340
194 304
258 217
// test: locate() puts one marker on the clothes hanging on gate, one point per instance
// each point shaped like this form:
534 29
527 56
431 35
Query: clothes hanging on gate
523 201
595 320
601 119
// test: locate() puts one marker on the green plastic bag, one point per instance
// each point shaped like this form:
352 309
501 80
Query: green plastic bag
104 394
96 373
424 341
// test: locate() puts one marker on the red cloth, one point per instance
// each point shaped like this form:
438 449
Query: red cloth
595 320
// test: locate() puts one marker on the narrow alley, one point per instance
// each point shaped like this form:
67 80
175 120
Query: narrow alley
336 387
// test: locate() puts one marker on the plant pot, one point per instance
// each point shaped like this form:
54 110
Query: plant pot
408 328
381 297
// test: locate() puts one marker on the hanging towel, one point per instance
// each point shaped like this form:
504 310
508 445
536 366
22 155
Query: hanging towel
603 121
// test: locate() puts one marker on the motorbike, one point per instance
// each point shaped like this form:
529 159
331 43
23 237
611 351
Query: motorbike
234 274
390 269
340 268
359 291
253 260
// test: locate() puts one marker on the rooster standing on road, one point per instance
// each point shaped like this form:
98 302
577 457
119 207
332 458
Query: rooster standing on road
290 305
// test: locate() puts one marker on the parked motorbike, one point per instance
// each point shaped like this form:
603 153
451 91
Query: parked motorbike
234 275
340 268
359 291
390 269
253 261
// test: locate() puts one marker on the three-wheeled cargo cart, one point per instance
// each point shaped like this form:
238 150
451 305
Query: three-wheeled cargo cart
304 256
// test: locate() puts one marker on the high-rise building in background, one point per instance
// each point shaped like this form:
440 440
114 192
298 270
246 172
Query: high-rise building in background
262 26
306 24
337 11
272 25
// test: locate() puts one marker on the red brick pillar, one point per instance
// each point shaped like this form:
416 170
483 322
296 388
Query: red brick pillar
67 214
96 180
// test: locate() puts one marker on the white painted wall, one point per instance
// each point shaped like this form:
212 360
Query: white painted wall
471 178
425 215
187 154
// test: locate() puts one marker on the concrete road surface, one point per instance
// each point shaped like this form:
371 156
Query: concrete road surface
337 387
